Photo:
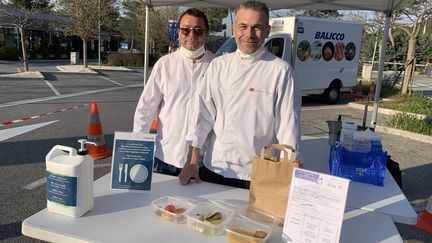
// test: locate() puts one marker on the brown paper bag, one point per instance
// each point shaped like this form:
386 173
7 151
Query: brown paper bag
271 179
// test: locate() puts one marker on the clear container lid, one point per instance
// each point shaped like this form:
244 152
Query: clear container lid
257 215
347 125
367 135
172 209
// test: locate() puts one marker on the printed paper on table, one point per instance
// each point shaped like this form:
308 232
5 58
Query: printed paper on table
316 205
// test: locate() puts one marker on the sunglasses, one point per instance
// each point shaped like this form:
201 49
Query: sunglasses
197 31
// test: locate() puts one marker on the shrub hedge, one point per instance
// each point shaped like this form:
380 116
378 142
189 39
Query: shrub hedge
130 59
9 53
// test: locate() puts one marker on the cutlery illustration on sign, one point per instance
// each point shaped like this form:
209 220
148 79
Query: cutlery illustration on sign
120 171
126 173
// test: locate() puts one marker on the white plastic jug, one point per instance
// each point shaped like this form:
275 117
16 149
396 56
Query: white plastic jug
69 181
347 132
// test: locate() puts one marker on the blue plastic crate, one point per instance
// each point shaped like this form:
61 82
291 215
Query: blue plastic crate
360 167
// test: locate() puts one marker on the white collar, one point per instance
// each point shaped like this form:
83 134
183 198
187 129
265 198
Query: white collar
244 56
192 54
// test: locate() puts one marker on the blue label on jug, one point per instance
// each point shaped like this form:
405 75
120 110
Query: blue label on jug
61 189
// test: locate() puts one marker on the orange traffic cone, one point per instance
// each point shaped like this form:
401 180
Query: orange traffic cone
154 125
372 91
424 219
359 91
95 134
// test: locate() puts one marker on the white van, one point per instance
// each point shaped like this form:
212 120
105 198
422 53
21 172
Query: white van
326 52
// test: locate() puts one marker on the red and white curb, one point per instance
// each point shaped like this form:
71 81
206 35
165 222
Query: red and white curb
40 115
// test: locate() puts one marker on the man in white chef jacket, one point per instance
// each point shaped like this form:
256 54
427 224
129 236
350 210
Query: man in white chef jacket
249 99
171 88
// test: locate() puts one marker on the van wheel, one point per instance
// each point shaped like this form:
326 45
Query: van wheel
332 94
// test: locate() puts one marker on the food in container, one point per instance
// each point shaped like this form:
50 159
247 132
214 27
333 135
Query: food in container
208 218
171 209
242 230
251 225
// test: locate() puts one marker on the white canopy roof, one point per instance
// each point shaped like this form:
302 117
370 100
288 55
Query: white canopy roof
374 5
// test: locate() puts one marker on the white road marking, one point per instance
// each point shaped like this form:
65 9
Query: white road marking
22 102
102 165
42 181
52 87
111 80
12 132
35 184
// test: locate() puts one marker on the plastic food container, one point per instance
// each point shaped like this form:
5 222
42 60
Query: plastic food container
251 225
257 215
196 218
171 209
241 230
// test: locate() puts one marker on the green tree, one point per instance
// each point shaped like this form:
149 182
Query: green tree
424 52
332 14
41 5
215 16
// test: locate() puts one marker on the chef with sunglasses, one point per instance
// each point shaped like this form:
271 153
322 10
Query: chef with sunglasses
248 99
171 89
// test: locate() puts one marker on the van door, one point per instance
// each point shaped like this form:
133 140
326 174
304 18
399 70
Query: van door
280 46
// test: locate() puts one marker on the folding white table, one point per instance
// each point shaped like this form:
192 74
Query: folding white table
120 216
387 199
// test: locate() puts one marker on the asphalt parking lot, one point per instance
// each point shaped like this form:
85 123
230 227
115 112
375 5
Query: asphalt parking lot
24 161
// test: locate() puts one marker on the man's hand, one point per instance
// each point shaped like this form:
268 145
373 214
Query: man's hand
190 169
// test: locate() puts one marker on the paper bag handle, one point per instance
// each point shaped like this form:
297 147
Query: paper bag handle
282 147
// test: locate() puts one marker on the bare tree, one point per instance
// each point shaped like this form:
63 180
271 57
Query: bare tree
133 23
83 18
377 24
23 15
414 14
159 18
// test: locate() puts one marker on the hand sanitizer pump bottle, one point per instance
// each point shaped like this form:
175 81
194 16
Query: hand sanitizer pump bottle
69 180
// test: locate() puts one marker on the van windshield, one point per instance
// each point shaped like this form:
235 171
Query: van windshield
229 46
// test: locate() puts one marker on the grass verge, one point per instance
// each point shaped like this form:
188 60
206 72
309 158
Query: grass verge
414 103
409 103
411 123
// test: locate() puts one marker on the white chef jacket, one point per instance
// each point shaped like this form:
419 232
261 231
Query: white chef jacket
249 103
172 86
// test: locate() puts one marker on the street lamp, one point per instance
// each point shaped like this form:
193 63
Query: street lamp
99 60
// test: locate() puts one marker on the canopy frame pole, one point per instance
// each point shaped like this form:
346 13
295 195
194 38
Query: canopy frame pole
382 57
146 45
